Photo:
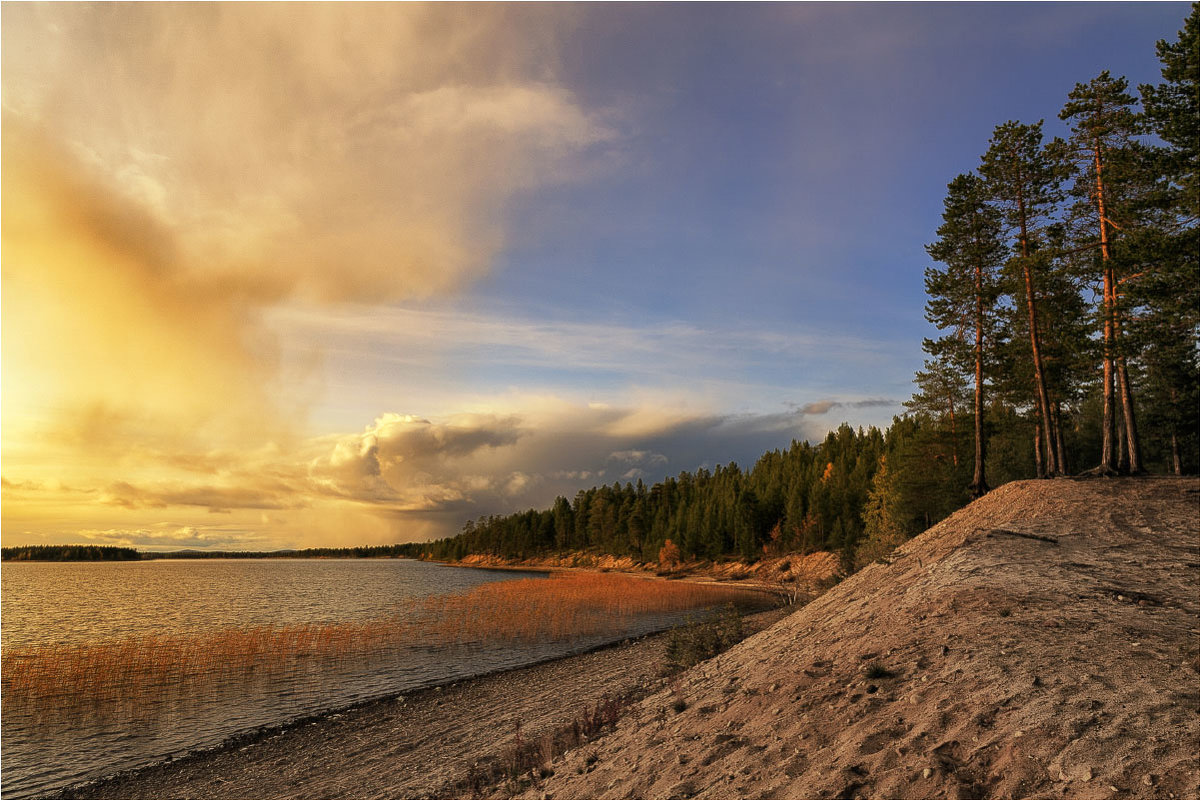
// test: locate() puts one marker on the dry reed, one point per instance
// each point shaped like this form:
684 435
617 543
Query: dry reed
567 605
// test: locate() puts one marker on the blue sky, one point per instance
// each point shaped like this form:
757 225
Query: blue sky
342 274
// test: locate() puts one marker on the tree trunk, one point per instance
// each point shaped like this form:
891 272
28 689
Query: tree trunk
1060 456
1123 455
1109 459
1044 405
1177 468
978 487
1134 455
1039 469
1109 296
954 434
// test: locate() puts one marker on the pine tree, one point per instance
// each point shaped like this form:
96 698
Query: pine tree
1022 181
1103 147
882 529
1171 109
1169 250
963 296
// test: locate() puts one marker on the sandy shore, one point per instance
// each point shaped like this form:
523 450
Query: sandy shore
1039 643
418 745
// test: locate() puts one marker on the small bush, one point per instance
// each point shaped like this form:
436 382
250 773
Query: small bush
695 641
877 670
528 759
669 555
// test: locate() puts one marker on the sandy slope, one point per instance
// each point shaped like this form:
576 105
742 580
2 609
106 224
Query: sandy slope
1041 642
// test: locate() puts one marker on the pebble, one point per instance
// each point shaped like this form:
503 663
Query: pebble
1148 780
927 773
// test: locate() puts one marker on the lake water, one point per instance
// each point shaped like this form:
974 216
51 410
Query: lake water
46 746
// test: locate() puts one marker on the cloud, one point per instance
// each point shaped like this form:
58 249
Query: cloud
412 462
212 498
824 406
332 152
819 407
167 537
638 457
172 174
406 477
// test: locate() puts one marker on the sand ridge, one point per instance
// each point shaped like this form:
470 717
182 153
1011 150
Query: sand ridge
1041 642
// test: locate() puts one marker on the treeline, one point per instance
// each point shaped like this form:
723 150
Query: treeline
1067 282
68 553
802 499
108 553
357 552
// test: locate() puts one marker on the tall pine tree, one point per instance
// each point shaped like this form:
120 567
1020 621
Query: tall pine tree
1023 183
1103 148
963 295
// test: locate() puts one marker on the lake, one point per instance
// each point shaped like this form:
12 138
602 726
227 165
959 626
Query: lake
50 744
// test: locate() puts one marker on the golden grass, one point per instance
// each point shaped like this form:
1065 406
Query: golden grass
560 607
107 668
567 605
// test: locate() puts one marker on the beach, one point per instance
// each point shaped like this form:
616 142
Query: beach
423 744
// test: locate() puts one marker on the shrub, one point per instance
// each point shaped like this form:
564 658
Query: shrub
669 554
876 670
695 641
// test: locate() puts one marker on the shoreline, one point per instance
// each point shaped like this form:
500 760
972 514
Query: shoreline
422 743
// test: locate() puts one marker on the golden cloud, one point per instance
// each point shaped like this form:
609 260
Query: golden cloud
170 172
338 152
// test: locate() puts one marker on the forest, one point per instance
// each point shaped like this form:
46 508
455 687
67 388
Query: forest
69 553
1064 285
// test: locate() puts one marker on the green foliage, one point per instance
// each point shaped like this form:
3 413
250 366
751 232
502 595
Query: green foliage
697 641
805 498
1171 110
881 518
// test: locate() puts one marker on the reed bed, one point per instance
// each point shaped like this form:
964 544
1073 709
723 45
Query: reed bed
560 607
568 605
111 669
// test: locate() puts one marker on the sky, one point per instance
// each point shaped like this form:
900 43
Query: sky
280 276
